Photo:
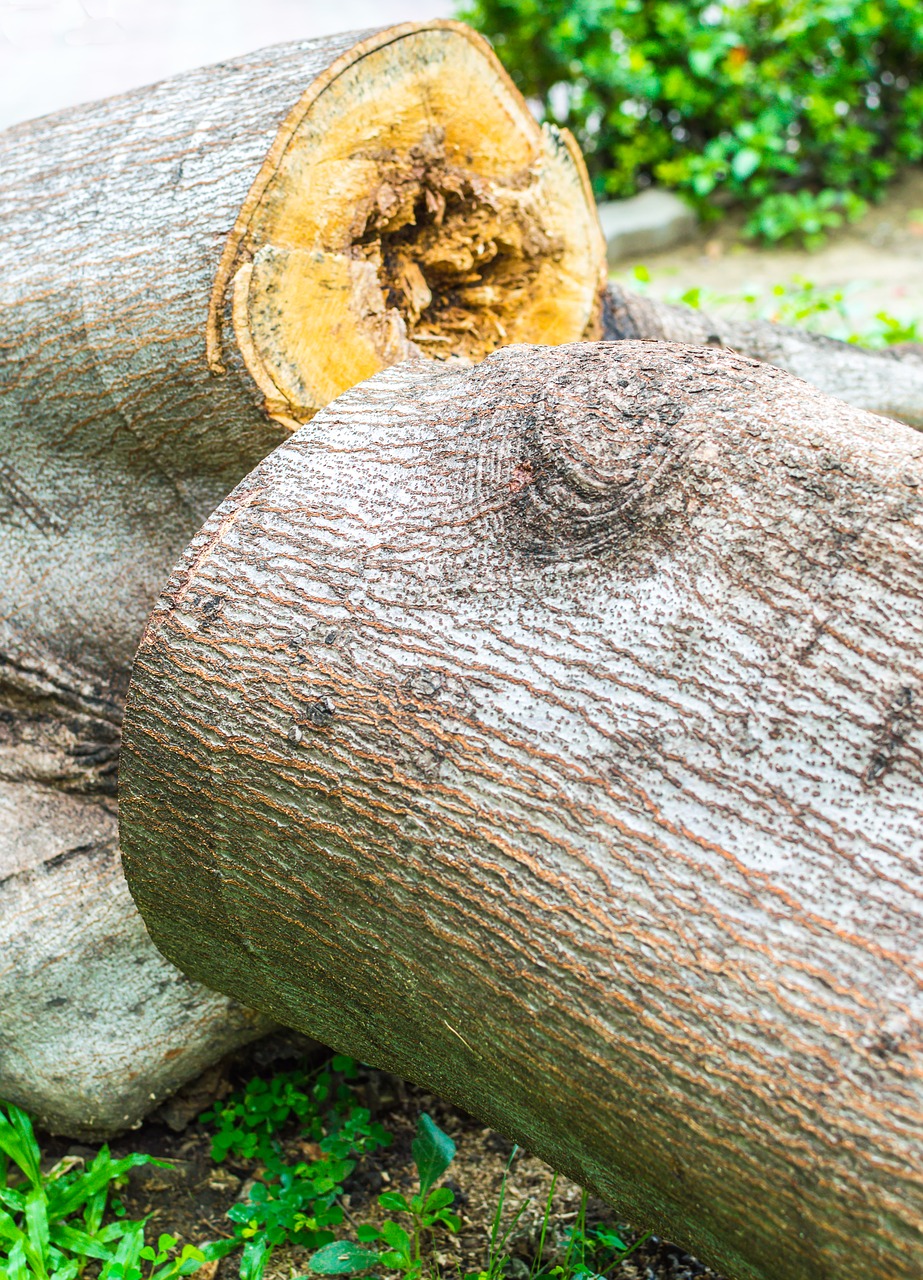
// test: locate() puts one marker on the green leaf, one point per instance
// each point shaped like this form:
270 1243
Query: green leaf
37 1220
394 1201
441 1198
433 1152
101 1173
367 1233
16 1266
396 1237
17 1141
68 1271
123 1265
79 1242
745 162
342 1258
254 1258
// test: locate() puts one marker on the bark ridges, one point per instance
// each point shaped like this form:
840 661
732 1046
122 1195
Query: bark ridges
548 732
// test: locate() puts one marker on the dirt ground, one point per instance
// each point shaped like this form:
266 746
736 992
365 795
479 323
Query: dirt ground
879 260
190 1198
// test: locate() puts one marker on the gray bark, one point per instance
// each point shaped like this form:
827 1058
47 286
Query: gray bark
549 733
126 414
889 382
116 442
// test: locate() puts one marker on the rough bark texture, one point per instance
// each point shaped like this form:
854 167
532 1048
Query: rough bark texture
549 733
127 412
115 444
889 382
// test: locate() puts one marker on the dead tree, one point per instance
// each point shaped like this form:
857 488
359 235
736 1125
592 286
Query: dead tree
275 228
549 733
889 381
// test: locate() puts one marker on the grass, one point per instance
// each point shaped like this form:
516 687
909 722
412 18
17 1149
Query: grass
58 1222
836 312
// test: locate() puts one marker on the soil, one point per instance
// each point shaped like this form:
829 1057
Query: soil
189 1199
879 260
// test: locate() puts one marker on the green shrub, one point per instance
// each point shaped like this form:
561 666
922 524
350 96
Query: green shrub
292 1203
798 109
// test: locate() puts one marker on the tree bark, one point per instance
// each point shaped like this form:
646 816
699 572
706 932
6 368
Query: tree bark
549 732
137 359
888 382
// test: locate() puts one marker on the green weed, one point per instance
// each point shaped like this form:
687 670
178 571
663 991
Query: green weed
433 1152
835 312
293 1203
52 1224
582 1253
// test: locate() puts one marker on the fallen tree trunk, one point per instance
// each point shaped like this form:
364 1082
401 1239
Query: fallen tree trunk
277 227
889 382
549 733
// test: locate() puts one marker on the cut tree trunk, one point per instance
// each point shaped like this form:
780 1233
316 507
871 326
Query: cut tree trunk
889 382
549 732
163 255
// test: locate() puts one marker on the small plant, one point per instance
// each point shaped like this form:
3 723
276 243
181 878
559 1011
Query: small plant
433 1152
587 1254
293 1203
806 216
591 1253
814 308
53 1224
582 1254
893 331
497 1255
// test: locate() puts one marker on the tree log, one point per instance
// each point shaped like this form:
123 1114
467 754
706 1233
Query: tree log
889 382
162 255
549 733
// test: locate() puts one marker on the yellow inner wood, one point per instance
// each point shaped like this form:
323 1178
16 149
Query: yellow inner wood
417 211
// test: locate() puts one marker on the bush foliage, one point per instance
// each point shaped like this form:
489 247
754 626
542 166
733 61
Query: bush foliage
800 110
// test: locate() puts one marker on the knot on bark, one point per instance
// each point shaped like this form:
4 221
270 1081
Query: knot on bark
600 452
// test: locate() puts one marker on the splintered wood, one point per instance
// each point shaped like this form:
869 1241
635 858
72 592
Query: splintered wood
412 207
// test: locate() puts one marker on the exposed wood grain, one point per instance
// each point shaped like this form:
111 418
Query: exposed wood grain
550 734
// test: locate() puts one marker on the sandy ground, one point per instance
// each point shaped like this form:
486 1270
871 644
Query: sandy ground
878 261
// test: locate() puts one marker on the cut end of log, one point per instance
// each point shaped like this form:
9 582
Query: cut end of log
411 206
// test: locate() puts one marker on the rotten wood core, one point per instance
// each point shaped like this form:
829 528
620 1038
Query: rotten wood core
397 221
